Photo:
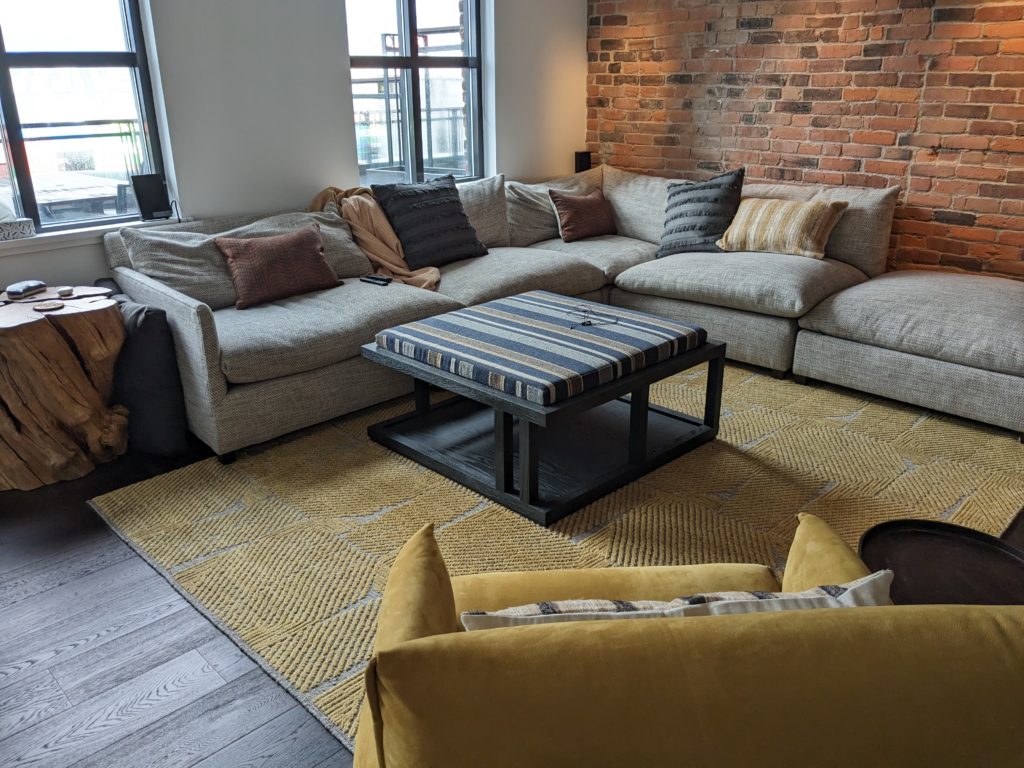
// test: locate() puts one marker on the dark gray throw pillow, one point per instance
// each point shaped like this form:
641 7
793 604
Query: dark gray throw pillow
697 215
430 222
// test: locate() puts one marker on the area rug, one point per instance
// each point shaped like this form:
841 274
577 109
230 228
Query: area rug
288 549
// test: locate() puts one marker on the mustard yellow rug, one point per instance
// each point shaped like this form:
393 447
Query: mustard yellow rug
288 549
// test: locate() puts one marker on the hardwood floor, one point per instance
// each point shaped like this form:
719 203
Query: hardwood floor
103 664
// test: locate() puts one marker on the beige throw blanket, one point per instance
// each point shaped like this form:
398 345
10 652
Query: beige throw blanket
374 235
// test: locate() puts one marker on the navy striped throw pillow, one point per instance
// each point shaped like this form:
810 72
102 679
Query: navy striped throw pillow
697 215
430 222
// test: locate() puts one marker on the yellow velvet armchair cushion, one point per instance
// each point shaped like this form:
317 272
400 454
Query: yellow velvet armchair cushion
818 556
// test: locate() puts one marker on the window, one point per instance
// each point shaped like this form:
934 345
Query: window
416 88
76 106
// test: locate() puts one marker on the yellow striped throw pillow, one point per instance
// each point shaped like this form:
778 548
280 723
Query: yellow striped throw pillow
782 226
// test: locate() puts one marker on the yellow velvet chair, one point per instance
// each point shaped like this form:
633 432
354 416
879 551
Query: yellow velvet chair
928 686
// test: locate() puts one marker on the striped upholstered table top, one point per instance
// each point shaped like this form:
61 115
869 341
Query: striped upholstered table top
540 346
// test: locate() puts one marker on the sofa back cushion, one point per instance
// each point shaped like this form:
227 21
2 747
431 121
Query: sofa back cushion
861 238
639 202
187 259
486 207
531 216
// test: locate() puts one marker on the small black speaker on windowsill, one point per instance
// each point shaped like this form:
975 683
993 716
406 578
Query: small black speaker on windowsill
583 162
151 195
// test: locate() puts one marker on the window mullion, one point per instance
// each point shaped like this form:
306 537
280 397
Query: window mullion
145 82
16 141
414 96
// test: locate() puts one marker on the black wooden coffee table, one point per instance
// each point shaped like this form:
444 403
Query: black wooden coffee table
543 460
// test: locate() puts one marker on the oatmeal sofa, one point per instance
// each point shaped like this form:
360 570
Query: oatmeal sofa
252 375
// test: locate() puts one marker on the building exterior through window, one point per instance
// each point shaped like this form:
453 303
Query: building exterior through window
77 110
415 88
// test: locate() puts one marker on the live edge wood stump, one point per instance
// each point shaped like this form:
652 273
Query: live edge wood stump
56 377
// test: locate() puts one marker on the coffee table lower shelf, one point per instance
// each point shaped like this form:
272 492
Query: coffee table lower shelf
577 459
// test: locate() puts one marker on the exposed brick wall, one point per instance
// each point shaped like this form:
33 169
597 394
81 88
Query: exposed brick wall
924 94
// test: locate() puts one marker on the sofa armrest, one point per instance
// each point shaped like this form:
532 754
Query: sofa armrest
195 342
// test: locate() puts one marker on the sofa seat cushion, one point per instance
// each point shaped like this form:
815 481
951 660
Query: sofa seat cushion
507 271
639 202
612 254
303 333
770 283
971 320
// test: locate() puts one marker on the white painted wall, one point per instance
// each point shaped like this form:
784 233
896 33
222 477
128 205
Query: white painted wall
536 103
56 260
258 101
256 111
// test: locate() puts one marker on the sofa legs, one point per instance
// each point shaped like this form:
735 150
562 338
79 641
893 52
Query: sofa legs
777 374
799 379
227 458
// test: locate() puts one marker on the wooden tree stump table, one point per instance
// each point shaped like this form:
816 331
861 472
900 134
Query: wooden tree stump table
56 377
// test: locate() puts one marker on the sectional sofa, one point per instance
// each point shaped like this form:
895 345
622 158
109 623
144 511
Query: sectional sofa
950 342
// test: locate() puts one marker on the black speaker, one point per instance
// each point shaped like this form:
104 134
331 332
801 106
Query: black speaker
583 161
151 195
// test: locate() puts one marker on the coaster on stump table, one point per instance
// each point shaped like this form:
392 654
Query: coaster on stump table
540 346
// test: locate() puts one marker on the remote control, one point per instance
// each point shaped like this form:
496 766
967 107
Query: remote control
25 288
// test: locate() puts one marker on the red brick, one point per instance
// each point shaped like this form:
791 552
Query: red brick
856 92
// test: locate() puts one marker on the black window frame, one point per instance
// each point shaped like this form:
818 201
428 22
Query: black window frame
136 59
415 61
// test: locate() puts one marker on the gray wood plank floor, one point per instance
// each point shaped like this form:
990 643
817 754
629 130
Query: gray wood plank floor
103 664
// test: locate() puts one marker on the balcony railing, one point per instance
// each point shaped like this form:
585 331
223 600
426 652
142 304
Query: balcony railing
90 180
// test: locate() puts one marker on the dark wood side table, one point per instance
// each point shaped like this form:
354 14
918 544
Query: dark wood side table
941 563
56 377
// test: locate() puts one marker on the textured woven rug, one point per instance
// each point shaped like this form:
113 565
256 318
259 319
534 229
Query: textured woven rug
288 549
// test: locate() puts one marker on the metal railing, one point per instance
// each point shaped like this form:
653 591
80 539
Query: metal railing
379 141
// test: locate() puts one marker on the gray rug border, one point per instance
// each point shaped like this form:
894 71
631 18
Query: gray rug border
301 698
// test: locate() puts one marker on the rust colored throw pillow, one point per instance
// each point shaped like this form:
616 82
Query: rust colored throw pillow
269 268
581 216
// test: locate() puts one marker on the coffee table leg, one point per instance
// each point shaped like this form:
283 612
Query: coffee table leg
503 451
527 462
638 408
422 392
713 394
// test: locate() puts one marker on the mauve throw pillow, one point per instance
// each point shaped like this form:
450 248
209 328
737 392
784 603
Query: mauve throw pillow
697 215
269 268
430 222
581 216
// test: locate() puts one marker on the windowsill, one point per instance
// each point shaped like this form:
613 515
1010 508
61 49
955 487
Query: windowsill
69 238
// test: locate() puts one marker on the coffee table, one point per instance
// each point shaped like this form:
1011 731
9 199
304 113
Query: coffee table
552 408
